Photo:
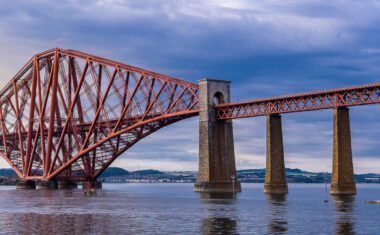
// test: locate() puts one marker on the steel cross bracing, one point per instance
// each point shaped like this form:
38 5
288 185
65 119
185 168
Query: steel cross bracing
68 115
348 96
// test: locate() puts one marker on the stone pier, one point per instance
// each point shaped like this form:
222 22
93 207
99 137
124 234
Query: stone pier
342 180
217 171
51 184
94 184
275 178
26 185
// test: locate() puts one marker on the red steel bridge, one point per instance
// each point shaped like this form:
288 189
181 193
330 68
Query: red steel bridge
67 115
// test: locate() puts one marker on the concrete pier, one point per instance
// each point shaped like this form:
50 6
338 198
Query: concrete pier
217 171
94 184
26 185
51 184
67 185
275 178
342 181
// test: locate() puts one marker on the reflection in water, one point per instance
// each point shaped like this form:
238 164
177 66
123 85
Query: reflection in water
57 224
175 209
344 221
217 195
59 212
219 226
277 213
216 221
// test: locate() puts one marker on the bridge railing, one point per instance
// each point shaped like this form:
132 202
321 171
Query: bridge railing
325 99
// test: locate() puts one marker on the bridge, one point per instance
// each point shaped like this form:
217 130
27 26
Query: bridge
67 115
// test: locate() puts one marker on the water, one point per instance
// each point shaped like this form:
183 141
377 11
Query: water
176 209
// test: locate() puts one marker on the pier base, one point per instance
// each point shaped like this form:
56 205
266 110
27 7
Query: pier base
67 185
26 185
275 177
342 180
94 184
217 171
217 187
51 184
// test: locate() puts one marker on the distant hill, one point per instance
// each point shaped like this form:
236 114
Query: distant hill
297 171
250 171
288 171
110 171
7 172
148 172
114 171
246 175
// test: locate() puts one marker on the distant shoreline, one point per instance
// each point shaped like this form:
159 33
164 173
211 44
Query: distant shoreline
1 184
120 175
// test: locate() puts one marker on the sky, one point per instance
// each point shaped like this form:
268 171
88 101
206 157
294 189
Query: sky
265 48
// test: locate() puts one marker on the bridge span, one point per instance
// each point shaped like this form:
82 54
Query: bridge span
67 115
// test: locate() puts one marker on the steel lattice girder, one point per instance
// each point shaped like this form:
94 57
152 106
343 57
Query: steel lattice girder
68 115
348 96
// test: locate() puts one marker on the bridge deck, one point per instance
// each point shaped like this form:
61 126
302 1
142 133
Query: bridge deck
67 113
325 99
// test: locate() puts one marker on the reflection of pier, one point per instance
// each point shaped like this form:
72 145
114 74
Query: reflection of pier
344 219
216 221
277 213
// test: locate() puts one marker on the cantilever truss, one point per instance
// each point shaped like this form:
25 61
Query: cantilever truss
68 115
348 96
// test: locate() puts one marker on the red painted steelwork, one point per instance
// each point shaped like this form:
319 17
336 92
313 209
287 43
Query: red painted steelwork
68 115
347 96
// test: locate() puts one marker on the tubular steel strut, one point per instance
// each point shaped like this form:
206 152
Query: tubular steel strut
68 115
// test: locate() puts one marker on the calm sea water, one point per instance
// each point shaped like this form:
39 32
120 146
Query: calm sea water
176 209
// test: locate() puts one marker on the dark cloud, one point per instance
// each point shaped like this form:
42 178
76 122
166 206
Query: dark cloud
265 48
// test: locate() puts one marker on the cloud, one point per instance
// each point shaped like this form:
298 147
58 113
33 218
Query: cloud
371 51
266 48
